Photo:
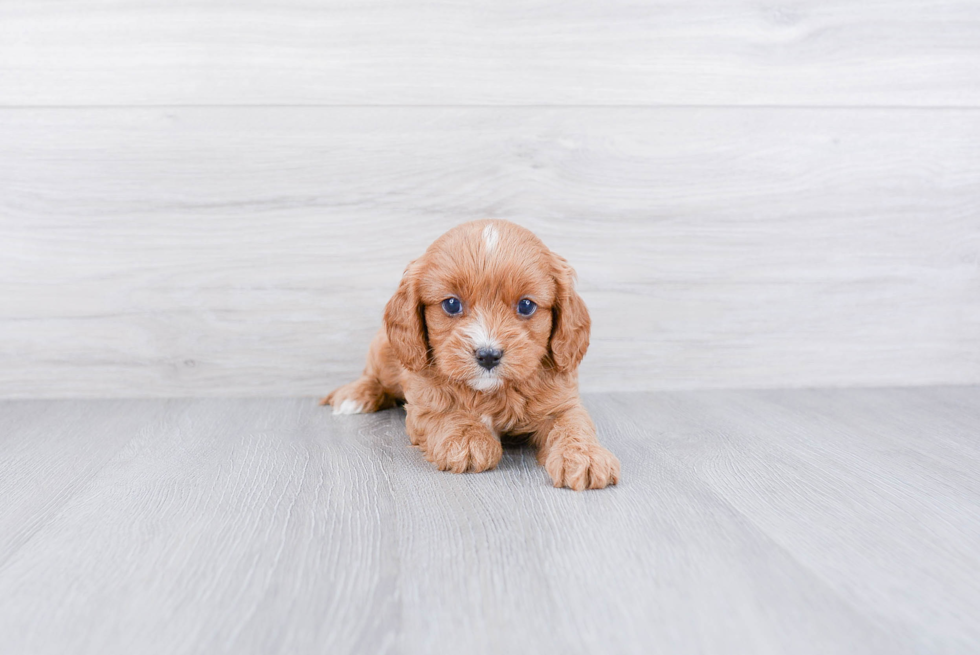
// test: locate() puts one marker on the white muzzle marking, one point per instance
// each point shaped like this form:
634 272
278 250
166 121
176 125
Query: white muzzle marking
479 337
486 381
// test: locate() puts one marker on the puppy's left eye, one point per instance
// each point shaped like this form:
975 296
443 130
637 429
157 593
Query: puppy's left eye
526 307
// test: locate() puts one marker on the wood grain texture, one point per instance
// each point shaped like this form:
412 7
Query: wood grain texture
746 522
51 452
250 251
499 52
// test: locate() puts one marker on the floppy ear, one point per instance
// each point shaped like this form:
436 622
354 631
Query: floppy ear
405 323
570 322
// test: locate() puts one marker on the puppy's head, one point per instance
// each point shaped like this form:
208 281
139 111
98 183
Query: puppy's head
487 303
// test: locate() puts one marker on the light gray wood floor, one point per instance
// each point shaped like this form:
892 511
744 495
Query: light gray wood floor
746 522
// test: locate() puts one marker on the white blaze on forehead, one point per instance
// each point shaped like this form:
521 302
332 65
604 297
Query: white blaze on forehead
490 237
479 335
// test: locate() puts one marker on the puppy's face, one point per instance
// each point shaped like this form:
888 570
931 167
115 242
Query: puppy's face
488 303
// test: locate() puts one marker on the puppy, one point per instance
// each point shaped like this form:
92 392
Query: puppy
481 340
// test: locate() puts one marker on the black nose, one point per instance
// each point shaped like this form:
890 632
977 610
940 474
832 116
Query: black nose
489 357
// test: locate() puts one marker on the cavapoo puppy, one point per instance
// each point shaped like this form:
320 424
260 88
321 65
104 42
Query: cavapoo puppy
483 339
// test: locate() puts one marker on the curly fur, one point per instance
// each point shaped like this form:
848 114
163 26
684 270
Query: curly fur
458 412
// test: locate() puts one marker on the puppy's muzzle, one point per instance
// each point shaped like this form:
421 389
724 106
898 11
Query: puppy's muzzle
488 358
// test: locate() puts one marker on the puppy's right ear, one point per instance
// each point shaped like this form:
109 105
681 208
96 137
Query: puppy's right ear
405 323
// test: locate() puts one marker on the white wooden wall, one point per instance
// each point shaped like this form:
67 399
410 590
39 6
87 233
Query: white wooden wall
205 198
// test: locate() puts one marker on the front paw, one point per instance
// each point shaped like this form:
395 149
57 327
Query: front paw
471 448
581 466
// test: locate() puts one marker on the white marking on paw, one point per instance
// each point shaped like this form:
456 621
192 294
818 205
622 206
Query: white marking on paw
488 421
349 406
490 236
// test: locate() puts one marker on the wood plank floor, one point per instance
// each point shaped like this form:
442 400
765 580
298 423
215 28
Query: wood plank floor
747 522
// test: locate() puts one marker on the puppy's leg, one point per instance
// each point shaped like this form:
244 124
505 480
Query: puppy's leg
378 387
453 441
362 396
572 455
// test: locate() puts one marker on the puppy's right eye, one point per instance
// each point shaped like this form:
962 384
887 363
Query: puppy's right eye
452 306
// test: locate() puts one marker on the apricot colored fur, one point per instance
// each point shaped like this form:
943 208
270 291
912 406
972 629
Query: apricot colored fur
457 412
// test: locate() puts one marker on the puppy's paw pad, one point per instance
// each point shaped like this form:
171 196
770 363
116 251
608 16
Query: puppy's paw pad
581 467
469 450
349 406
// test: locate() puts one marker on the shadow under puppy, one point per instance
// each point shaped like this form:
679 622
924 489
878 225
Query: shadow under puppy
483 338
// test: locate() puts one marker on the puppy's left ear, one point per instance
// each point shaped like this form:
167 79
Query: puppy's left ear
570 322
